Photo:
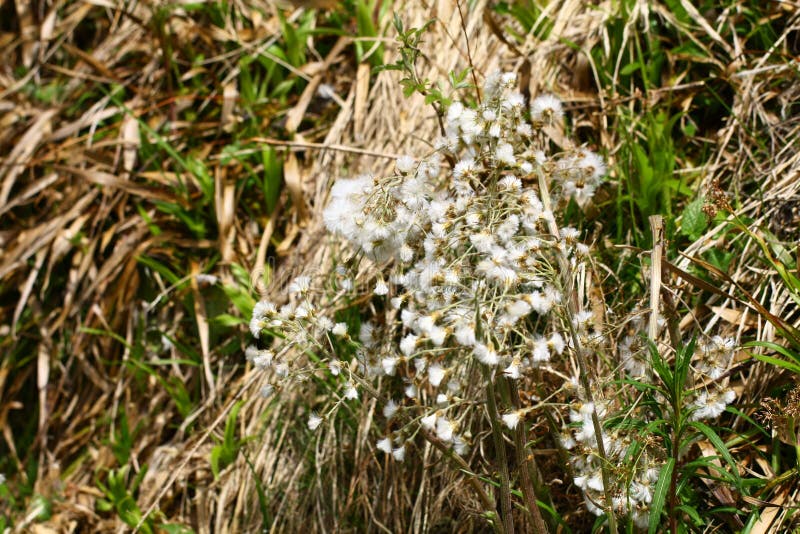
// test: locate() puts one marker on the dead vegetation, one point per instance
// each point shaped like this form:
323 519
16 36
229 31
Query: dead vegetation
133 159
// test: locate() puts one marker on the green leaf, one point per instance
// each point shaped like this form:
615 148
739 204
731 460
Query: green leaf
692 513
263 501
715 440
693 220
660 495
216 452
721 259
112 335
103 505
160 268
223 454
679 186
630 68
153 227
226 319
174 528
41 509
273 177
242 300
641 386
777 348
793 367
230 425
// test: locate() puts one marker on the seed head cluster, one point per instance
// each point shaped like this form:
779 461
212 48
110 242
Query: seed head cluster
467 287
471 276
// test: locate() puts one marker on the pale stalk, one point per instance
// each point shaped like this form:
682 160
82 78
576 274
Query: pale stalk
657 227
580 356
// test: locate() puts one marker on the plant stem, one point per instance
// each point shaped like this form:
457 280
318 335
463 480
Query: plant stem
583 368
469 54
500 451
657 228
527 465
673 483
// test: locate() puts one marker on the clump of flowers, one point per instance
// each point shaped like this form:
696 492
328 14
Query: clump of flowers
470 270
471 277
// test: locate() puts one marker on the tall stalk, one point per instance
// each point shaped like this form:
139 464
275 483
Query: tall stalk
500 451
531 482
580 356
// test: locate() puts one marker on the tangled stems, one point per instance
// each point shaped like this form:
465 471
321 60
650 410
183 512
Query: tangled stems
459 463
472 479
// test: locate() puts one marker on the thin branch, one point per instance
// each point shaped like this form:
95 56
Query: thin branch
469 54
526 464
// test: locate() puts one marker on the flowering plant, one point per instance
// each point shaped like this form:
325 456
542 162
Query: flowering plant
470 294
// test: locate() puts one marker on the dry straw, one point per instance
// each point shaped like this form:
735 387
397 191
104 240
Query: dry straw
58 187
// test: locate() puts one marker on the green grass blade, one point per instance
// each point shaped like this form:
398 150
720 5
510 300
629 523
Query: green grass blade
660 495
715 440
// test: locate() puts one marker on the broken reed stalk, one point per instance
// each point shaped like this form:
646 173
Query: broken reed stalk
657 228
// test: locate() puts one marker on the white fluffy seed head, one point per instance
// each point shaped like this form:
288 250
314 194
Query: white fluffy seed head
390 409
405 164
399 453
546 108
385 445
435 374
389 364
408 344
444 429
511 419
314 420
512 371
381 288
486 355
429 421
350 391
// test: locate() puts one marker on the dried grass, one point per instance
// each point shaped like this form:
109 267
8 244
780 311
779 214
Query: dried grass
71 234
